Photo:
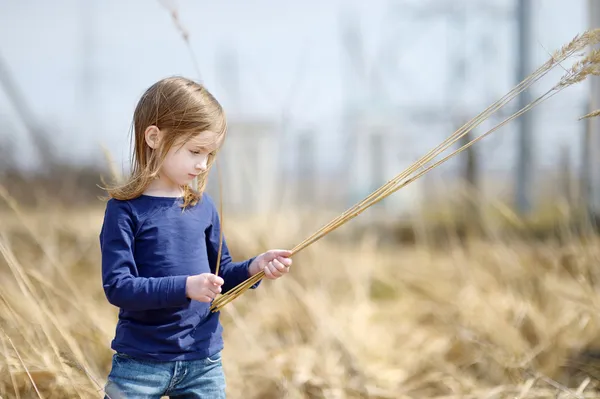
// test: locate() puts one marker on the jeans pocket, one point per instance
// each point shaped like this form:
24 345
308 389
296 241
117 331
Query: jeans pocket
132 378
214 359
122 356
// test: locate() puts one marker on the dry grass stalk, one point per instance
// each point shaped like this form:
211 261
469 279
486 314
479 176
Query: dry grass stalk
221 218
588 65
172 8
23 364
558 386
591 115
115 175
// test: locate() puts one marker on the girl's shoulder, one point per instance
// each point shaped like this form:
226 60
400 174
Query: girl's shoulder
116 208
207 204
114 203
134 212
133 208
206 200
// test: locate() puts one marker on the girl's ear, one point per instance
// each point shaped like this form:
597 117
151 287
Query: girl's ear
153 136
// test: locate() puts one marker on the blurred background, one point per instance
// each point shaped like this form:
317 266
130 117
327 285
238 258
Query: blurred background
326 101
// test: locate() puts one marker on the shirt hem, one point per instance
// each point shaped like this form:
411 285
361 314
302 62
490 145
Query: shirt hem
167 357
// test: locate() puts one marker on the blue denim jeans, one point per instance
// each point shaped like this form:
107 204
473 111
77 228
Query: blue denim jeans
132 378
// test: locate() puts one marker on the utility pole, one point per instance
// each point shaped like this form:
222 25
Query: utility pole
524 151
470 167
591 143
585 178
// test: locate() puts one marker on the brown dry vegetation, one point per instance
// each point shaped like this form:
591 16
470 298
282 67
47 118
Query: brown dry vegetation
356 318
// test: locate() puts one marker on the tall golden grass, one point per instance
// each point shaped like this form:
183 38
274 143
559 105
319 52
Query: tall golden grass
360 319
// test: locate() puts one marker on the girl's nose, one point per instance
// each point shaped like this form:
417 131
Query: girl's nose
201 166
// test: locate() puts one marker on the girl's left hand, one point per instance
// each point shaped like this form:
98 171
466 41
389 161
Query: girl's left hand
275 263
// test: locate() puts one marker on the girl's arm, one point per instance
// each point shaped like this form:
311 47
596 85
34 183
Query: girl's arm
122 285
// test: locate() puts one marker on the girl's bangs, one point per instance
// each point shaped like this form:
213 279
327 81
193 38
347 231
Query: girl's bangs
208 140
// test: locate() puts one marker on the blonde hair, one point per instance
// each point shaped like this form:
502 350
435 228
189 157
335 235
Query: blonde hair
181 108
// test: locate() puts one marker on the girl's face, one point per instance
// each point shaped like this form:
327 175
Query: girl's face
186 160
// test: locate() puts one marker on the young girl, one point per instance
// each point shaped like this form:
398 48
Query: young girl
160 242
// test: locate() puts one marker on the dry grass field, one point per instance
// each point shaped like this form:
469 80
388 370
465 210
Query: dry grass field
356 318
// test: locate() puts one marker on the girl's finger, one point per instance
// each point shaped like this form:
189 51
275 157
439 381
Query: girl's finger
282 252
268 272
215 290
278 265
285 261
275 271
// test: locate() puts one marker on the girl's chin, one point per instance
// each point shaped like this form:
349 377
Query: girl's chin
188 181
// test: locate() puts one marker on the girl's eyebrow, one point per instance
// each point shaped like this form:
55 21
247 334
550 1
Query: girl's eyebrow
205 148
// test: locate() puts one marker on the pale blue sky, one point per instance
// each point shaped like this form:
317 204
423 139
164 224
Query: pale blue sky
289 55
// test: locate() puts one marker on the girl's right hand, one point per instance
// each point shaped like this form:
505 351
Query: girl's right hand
203 287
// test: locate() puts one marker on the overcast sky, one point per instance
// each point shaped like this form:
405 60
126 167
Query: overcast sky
289 54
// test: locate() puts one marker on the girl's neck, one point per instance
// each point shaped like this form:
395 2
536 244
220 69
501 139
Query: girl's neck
160 188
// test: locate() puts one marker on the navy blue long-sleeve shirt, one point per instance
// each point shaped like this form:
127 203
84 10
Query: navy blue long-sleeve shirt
149 246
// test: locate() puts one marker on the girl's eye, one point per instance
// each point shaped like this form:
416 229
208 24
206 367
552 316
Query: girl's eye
195 152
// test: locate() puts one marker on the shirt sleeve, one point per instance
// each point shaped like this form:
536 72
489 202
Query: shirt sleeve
122 285
233 273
